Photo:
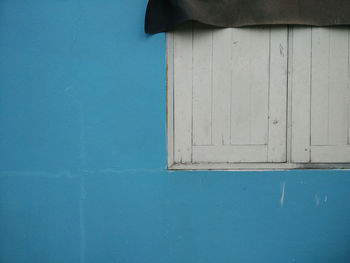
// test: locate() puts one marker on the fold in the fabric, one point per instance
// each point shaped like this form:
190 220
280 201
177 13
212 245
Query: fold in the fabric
164 15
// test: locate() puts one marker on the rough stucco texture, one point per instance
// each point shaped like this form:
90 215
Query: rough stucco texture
83 153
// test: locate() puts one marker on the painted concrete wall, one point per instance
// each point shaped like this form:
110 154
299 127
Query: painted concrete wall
82 156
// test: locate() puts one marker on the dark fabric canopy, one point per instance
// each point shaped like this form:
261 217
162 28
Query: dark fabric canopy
164 15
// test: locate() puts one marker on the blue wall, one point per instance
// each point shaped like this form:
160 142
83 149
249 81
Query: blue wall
83 155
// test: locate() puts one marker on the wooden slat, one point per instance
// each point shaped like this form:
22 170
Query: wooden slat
300 82
338 85
260 81
348 116
221 92
228 153
289 95
250 83
183 95
240 101
348 90
202 84
320 86
278 95
170 96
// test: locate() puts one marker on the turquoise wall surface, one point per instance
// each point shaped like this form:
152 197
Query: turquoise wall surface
83 156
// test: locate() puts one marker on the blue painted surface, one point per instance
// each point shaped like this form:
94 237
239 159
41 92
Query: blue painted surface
83 154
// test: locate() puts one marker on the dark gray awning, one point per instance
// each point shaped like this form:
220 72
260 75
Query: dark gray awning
164 15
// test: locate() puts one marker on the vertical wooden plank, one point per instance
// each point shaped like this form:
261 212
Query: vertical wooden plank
338 84
240 100
289 94
260 84
221 92
170 96
300 81
278 95
250 79
320 86
202 84
183 94
348 112
348 89
348 121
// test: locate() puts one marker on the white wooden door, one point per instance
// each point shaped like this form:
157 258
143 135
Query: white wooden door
320 95
230 94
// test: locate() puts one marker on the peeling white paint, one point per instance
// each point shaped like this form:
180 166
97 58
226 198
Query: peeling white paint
282 196
317 200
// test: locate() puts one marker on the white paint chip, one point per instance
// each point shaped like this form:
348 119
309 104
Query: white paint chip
317 200
282 196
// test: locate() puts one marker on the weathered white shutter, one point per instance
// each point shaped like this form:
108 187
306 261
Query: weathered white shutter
320 95
229 90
